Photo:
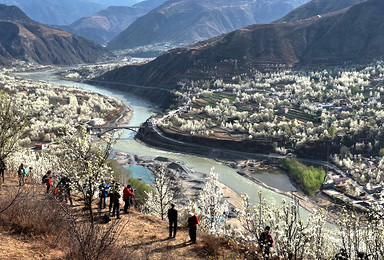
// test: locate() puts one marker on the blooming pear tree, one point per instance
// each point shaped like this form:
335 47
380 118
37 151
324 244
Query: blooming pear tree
162 193
212 205
84 161
295 238
37 163
13 122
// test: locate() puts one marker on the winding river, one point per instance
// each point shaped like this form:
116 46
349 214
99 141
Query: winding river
143 110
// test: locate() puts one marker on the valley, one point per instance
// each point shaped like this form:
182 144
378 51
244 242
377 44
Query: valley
259 117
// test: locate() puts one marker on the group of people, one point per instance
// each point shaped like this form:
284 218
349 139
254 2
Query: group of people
113 192
62 191
21 172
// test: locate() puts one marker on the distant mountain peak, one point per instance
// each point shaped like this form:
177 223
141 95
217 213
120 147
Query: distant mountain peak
21 38
13 14
184 22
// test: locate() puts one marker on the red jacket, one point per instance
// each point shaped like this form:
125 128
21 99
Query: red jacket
127 194
193 221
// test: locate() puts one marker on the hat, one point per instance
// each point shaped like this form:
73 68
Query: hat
191 214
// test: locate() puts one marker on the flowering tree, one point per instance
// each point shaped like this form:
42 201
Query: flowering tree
294 237
84 161
213 207
40 162
162 193
13 122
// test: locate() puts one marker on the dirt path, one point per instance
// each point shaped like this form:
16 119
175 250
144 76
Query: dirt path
149 235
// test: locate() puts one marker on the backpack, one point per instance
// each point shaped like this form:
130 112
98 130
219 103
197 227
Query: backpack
106 219
20 171
44 179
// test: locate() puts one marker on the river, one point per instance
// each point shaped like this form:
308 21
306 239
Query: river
143 110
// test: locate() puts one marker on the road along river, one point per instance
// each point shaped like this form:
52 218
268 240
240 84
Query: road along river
143 110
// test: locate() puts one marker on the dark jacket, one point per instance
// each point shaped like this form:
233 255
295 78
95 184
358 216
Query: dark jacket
103 188
172 214
266 239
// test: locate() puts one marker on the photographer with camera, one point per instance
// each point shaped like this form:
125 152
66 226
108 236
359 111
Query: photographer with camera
128 198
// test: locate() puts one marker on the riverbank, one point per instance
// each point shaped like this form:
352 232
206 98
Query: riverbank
231 158
191 182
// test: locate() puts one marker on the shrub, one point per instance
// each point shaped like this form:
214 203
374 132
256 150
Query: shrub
32 214
141 190
309 178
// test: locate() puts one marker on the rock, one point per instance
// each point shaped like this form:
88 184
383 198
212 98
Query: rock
162 159
233 165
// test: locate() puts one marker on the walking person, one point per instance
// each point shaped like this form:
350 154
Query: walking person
110 194
266 242
21 173
64 186
47 180
133 195
127 197
172 218
103 194
2 170
115 199
193 221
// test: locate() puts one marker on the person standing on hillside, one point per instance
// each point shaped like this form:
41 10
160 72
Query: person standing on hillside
103 194
110 194
266 242
193 221
21 173
47 180
115 199
172 218
127 197
133 195
2 169
65 188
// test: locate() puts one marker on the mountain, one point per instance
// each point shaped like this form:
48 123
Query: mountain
183 22
103 26
63 12
317 7
107 3
23 39
354 35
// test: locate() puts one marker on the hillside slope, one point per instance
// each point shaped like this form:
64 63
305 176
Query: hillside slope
104 25
183 22
317 7
26 40
354 36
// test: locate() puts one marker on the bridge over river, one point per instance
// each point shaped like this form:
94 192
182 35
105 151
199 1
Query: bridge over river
101 130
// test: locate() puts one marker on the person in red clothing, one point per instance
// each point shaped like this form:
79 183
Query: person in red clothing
266 242
193 221
127 197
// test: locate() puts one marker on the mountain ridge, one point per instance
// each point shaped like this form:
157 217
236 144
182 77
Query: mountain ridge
317 7
354 35
104 25
182 22
23 39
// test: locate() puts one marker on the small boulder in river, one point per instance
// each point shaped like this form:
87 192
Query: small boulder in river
162 159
